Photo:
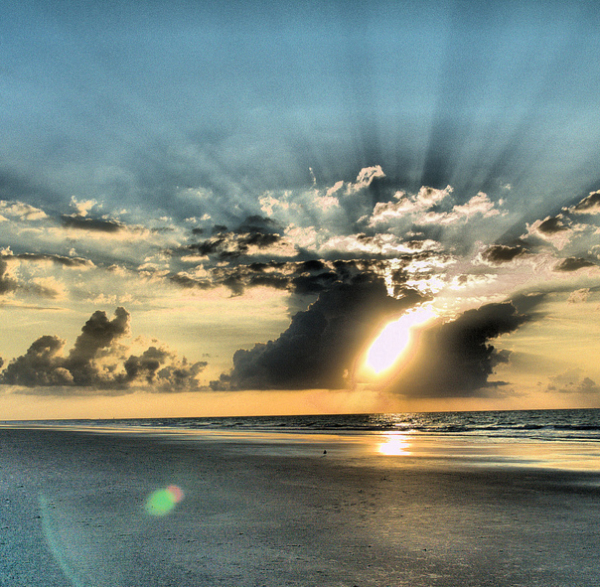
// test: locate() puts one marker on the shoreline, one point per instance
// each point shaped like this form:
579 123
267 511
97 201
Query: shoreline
398 447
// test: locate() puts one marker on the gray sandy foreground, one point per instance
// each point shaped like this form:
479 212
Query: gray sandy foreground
271 513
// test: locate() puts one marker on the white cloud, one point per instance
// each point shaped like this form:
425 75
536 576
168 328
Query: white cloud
422 209
428 197
21 210
327 202
82 207
479 204
336 188
365 178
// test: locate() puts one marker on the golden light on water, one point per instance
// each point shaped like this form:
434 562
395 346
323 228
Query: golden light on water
394 445
395 339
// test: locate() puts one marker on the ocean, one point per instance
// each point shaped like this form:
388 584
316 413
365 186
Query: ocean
536 425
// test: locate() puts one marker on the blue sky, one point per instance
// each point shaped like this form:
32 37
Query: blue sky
154 153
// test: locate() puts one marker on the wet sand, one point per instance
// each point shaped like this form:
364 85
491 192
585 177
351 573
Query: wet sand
276 511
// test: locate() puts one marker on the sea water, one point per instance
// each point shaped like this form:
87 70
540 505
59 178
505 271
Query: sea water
545 425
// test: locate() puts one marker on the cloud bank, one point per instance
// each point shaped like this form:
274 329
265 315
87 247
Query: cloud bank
456 359
321 345
98 363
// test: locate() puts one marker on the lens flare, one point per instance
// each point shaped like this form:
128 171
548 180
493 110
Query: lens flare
162 501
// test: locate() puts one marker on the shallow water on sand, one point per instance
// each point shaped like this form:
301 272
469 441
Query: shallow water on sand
207 508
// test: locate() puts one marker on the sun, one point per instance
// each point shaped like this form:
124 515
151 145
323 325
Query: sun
394 340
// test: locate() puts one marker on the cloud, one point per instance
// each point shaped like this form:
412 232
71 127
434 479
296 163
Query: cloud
407 204
553 229
431 207
579 296
71 262
93 224
312 276
255 236
499 254
98 333
21 210
228 245
98 363
278 275
478 204
42 365
571 382
40 287
365 178
456 359
160 369
573 264
589 205
319 348
7 283
470 280
82 207
552 225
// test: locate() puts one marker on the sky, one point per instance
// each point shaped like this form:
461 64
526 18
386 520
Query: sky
273 207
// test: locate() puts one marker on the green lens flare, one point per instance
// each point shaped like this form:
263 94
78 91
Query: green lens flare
162 501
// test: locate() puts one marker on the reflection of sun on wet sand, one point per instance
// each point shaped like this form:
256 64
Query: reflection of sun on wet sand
394 444
380 510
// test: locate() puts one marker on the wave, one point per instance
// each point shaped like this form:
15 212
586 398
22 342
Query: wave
539 424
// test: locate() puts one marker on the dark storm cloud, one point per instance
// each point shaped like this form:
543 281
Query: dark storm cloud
455 359
310 266
98 333
146 365
189 282
97 362
573 264
237 278
41 365
94 224
299 277
498 254
552 225
256 223
226 245
313 284
44 365
319 348
589 204
153 367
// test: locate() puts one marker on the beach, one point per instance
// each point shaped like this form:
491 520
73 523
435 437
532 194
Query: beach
93 509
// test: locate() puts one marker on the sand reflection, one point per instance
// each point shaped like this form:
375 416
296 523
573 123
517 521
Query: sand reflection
394 445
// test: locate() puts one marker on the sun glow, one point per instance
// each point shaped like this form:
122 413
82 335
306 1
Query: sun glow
394 445
395 339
